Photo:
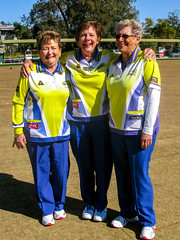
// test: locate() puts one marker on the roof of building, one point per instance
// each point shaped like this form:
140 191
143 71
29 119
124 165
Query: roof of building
6 27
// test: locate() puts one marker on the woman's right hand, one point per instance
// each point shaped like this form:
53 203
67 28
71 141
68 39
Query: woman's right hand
24 69
19 141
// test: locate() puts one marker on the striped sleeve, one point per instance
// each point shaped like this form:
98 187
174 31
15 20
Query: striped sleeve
18 105
152 76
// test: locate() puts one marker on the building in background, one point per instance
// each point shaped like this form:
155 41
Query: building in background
5 32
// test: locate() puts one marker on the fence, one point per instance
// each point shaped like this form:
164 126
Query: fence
72 40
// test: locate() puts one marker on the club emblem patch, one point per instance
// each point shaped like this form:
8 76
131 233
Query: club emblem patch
40 83
154 79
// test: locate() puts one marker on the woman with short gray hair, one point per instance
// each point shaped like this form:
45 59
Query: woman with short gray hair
134 86
135 26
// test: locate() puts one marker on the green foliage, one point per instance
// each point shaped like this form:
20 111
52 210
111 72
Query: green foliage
174 22
173 19
164 29
22 32
148 26
65 15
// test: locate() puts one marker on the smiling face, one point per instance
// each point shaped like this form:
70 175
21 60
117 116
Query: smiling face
50 53
88 41
126 45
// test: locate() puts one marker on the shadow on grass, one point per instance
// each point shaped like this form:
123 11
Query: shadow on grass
19 197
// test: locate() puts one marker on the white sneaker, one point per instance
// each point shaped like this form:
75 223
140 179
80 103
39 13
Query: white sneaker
59 214
148 232
88 213
48 220
121 222
100 216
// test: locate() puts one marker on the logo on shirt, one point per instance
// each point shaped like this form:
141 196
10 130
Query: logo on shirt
75 104
64 83
40 83
78 65
133 72
33 125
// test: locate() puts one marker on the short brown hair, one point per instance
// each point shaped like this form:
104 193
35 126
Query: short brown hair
45 36
87 24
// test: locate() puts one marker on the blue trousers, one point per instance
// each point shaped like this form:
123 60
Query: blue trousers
50 165
135 191
90 142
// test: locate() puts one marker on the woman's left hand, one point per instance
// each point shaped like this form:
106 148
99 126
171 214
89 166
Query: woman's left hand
146 140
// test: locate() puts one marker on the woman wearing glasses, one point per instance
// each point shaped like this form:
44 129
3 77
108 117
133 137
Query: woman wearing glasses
134 87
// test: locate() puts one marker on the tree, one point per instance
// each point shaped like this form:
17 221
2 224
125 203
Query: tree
163 30
174 21
3 23
65 15
148 26
21 31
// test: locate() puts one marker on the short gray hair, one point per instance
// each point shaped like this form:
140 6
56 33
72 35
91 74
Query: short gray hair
135 26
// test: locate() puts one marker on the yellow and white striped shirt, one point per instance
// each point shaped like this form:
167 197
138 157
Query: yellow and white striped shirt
39 104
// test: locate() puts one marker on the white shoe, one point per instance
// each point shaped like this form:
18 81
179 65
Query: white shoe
88 213
100 216
121 222
48 220
148 232
59 214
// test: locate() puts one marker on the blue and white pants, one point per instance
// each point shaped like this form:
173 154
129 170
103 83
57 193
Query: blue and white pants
50 165
135 191
90 142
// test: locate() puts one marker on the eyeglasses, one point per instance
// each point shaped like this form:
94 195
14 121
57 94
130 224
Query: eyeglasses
125 36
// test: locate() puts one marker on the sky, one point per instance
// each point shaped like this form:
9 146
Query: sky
13 10
156 9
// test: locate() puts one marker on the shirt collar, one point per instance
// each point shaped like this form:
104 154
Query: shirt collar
134 54
96 56
132 58
42 68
